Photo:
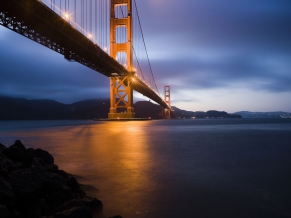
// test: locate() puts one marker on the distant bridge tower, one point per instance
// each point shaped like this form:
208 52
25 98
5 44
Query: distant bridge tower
167 99
120 87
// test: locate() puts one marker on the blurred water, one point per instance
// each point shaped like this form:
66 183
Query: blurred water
172 168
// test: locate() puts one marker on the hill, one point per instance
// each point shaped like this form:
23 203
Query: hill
276 114
24 109
42 109
178 113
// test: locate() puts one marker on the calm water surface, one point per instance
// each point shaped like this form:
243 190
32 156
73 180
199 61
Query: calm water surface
172 168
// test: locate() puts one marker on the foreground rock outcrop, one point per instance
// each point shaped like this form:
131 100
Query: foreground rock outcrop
31 185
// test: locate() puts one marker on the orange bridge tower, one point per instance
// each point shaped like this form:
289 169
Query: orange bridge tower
121 92
167 99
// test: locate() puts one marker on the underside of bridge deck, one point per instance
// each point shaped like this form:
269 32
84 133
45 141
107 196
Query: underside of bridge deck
36 21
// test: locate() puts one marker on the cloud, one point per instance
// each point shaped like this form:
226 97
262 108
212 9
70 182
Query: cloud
199 47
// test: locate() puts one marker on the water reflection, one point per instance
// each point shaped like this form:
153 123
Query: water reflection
112 156
173 168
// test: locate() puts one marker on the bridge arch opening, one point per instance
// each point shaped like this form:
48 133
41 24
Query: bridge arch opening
121 57
120 11
121 34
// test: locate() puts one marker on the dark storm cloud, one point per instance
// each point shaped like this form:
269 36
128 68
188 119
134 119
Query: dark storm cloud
252 26
219 44
209 74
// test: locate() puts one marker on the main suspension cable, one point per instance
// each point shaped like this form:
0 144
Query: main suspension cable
145 46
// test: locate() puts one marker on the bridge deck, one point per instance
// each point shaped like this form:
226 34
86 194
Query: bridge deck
36 21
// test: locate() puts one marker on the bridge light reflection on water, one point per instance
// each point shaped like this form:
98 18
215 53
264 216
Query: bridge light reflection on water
114 157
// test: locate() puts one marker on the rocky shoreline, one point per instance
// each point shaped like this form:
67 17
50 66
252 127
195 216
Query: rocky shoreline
31 185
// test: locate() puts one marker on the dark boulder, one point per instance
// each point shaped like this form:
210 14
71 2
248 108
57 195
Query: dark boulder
53 181
13 153
51 167
2 147
43 156
31 185
75 212
7 165
73 184
18 144
7 197
70 204
4 212
27 183
93 203
60 172
17 152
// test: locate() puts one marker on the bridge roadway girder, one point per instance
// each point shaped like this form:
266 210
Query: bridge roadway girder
36 21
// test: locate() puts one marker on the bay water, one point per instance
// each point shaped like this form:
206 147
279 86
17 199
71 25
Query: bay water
172 168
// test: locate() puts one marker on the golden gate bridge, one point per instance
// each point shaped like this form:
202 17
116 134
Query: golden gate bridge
104 35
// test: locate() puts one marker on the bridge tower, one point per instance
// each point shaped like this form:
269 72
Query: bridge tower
121 92
167 99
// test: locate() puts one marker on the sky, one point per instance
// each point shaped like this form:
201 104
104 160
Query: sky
227 55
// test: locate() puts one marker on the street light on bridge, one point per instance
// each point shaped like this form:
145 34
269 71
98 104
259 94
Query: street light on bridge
67 16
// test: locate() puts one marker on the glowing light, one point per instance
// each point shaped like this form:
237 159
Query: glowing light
133 79
67 16
105 48
90 36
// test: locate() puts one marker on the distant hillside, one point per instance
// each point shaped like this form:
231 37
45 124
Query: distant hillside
276 114
23 109
145 109
178 113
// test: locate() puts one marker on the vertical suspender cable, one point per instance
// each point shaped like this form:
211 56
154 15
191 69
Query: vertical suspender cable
90 12
106 23
86 16
95 22
75 15
82 15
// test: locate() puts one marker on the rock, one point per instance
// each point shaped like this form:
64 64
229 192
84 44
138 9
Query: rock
35 163
27 183
43 156
19 145
67 191
2 147
7 165
70 204
73 184
7 197
31 185
117 216
34 209
4 212
60 172
53 182
30 150
40 207
75 212
13 153
93 203
17 152
51 167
